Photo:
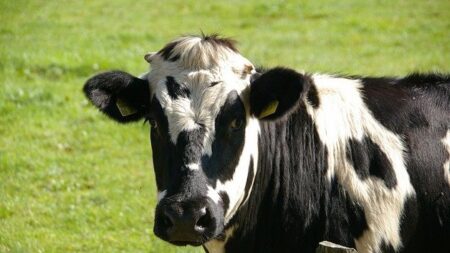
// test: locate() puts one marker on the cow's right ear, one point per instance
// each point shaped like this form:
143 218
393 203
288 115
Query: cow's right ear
276 92
121 96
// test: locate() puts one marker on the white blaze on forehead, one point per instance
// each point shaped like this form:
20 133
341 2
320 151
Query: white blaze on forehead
446 142
343 115
213 195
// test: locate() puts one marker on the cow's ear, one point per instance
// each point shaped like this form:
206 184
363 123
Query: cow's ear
121 96
276 92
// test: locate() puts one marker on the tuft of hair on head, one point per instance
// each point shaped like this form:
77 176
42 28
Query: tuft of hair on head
217 40
199 51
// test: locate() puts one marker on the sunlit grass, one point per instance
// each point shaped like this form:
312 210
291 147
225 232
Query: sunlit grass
73 181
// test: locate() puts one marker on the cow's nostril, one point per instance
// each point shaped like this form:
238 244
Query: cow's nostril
186 222
167 221
204 221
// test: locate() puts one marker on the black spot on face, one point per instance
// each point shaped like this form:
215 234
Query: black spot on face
161 145
166 52
228 141
190 145
225 201
216 41
175 58
175 89
212 84
369 160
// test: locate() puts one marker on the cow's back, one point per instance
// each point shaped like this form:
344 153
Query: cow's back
418 109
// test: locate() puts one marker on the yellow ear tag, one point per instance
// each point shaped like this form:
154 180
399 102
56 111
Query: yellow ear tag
269 110
124 108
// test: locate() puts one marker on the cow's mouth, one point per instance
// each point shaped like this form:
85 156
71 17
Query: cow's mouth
185 243
191 239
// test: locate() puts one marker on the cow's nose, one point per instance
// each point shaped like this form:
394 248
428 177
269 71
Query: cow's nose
188 221
184 223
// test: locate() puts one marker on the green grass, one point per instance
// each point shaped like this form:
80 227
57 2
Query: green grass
73 181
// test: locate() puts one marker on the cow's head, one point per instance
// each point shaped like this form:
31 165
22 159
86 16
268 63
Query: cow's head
203 101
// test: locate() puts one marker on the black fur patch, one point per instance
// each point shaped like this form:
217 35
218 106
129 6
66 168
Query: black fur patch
426 80
418 120
357 218
386 247
216 40
369 160
225 201
162 148
426 217
175 89
313 96
409 222
228 143
166 52
190 145
411 102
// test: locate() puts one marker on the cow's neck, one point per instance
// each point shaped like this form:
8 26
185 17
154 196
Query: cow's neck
287 187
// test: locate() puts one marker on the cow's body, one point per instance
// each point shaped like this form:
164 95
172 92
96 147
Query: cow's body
364 200
279 161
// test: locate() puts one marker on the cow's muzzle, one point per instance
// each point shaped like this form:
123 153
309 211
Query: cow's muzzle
192 221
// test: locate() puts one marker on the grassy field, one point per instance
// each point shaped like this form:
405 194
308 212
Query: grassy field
73 181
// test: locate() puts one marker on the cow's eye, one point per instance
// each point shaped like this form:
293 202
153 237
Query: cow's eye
152 122
236 124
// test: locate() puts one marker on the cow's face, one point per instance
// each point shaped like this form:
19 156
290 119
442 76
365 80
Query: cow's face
202 136
204 132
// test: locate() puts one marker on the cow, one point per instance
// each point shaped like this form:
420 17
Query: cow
277 160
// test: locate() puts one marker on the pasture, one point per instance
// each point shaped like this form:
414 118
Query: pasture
73 181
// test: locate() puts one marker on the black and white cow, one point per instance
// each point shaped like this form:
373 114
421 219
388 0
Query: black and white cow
278 161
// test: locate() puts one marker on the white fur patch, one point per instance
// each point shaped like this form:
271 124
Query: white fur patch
212 194
161 194
193 166
342 115
218 246
446 142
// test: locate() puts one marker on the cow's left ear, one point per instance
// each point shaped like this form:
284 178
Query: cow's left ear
276 92
121 96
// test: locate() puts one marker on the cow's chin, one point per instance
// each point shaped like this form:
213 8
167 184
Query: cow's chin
182 243
201 240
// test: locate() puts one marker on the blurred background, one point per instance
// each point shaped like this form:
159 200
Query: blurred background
72 180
